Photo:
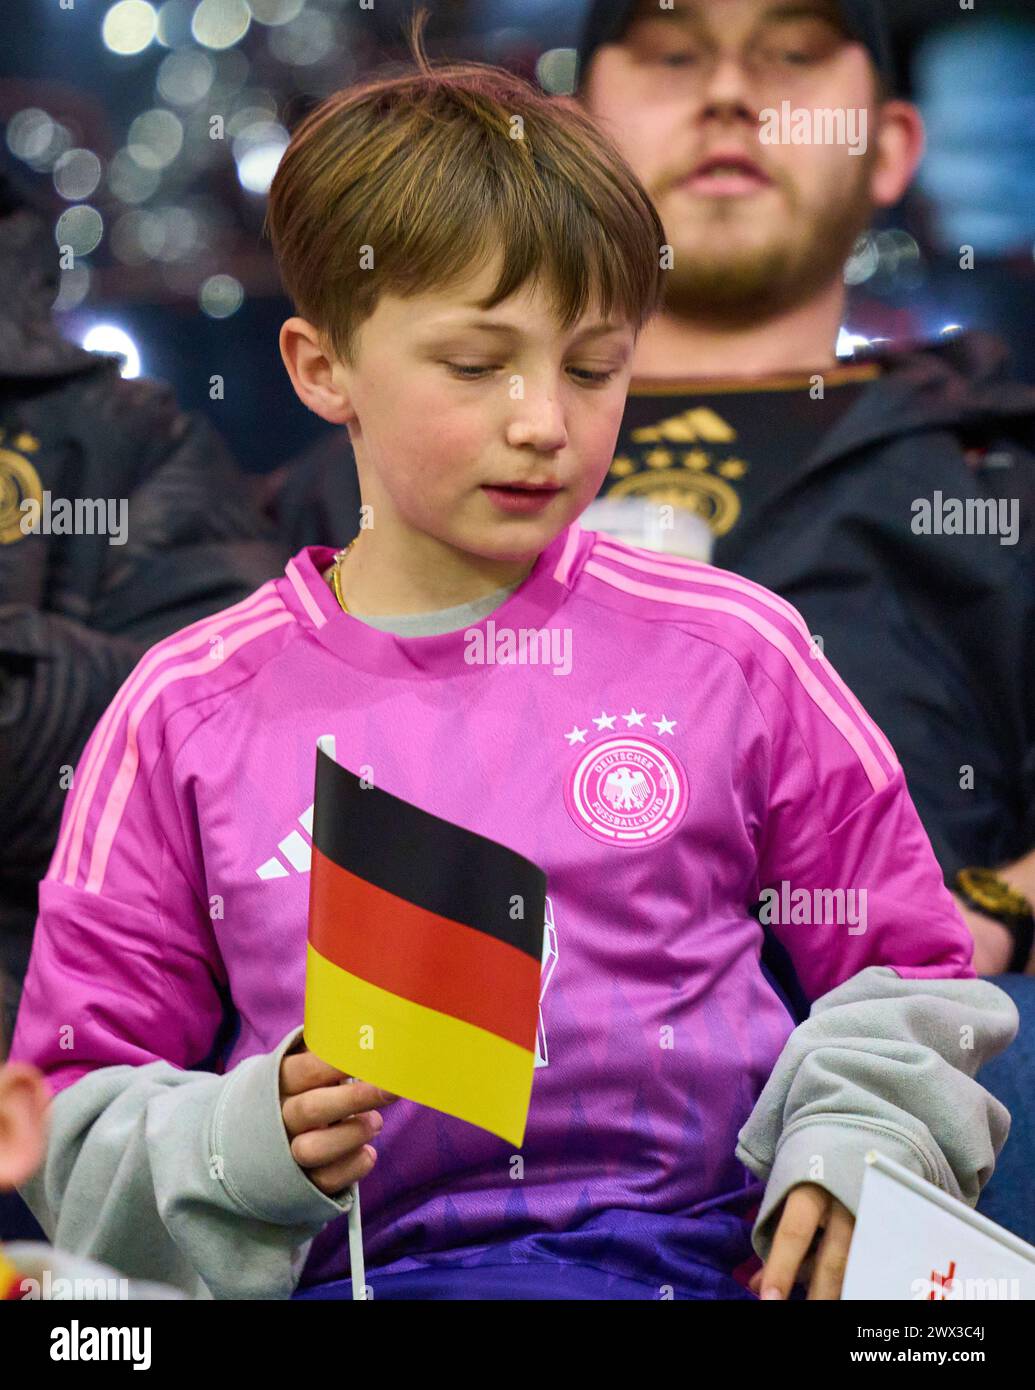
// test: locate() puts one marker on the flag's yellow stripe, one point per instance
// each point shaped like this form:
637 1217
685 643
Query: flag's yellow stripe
427 1056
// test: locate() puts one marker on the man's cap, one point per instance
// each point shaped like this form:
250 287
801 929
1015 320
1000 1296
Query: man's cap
607 20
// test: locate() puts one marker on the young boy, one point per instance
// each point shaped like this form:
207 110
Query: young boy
471 265
31 1269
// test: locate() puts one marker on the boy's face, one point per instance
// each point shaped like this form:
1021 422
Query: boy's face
681 94
445 400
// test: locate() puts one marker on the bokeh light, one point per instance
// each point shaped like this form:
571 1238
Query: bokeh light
258 150
135 236
108 337
220 296
129 26
221 23
179 233
306 40
254 107
76 174
155 138
273 12
130 181
863 262
896 249
848 342
29 132
37 139
556 71
184 78
81 228
60 141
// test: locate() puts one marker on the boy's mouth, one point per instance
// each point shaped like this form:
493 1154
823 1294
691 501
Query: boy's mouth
523 497
524 487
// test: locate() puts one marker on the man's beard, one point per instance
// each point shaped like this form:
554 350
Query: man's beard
733 287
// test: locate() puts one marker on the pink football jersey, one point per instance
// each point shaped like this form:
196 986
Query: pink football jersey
663 738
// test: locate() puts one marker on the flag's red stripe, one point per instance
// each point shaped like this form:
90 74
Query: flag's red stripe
422 956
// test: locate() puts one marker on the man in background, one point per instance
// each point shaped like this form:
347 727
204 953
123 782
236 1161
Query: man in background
841 487
891 500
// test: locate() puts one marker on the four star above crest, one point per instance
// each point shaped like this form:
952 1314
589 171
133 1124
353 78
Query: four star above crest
604 720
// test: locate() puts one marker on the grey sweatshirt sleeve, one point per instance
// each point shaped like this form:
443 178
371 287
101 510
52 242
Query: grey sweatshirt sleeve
883 1063
182 1177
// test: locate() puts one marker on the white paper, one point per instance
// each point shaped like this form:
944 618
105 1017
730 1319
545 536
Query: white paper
913 1242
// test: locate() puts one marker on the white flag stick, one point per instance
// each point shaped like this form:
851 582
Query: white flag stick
359 1289
359 1282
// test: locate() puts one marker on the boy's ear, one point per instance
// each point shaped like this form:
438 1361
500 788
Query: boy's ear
24 1098
315 374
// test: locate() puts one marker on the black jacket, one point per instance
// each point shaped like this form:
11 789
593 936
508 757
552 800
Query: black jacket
77 613
934 634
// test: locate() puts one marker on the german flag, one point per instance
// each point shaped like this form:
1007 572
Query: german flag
424 954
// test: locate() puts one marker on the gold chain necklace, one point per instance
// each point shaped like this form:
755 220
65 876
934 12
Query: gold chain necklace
336 573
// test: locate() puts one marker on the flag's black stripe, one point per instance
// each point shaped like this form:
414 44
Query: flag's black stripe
425 860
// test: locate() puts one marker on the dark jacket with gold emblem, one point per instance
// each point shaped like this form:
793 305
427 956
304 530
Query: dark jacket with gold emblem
76 612
933 631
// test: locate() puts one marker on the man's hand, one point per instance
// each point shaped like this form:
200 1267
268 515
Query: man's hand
328 1120
993 944
812 1238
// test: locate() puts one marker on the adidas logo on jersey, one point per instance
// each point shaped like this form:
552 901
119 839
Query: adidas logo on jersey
296 849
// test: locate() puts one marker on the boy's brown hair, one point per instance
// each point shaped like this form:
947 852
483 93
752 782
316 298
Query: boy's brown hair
429 174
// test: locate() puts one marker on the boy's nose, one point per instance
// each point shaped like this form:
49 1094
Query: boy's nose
539 422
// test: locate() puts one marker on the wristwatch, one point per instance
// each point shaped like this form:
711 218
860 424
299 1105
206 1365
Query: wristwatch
986 892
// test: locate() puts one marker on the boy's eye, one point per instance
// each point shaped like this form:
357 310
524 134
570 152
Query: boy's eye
461 370
468 373
598 377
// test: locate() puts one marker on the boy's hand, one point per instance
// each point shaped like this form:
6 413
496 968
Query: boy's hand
328 1120
808 1208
